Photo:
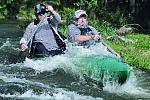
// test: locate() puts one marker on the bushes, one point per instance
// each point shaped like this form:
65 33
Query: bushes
67 15
103 27
96 9
136 53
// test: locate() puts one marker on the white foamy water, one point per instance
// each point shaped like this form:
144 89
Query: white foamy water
130 88
66 61
78 51
49 63
7 43
13 79
60 95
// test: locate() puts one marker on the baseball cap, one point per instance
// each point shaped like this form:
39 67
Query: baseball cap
40 9
80 13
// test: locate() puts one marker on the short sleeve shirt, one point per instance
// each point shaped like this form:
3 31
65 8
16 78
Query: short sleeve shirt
75 31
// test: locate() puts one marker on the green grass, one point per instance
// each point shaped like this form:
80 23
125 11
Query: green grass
136 53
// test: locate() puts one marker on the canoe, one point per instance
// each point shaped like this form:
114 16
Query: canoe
100 66
104 68
97 63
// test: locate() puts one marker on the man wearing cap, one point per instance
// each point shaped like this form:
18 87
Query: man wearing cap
81 32
41 34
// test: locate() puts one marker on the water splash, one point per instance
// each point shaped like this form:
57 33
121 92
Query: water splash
59 95
6 44
130 88
45 94
66 63
80 61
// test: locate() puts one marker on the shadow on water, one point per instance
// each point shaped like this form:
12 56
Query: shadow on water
10 34
11 55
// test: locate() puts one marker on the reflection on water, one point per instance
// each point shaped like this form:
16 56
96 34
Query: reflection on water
57 78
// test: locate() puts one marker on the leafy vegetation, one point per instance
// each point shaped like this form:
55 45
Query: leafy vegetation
136 53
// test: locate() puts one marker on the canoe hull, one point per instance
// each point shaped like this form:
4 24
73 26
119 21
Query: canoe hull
103 68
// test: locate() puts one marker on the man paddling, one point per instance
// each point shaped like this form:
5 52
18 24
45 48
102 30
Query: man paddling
42 36
84 34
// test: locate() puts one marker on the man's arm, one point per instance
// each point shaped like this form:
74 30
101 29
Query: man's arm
26 36
55 18
81 38
76 36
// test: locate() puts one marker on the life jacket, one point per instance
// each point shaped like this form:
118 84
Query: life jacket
86 31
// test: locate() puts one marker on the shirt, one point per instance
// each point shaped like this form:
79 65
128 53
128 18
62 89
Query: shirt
42 32
75 31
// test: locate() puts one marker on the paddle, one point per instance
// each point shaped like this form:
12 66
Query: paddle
108 48
22 56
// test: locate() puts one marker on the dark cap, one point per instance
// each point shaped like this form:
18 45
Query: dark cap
40 9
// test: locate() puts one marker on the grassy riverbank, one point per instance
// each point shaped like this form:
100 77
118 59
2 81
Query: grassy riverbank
135 53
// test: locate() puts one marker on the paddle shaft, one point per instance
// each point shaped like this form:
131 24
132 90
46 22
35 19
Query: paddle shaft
34 32
108 48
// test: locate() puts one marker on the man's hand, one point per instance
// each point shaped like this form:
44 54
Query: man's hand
96 37
24 47
50 8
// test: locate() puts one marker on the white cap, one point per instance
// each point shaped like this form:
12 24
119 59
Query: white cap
78 13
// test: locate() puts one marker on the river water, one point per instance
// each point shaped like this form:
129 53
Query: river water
56 78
